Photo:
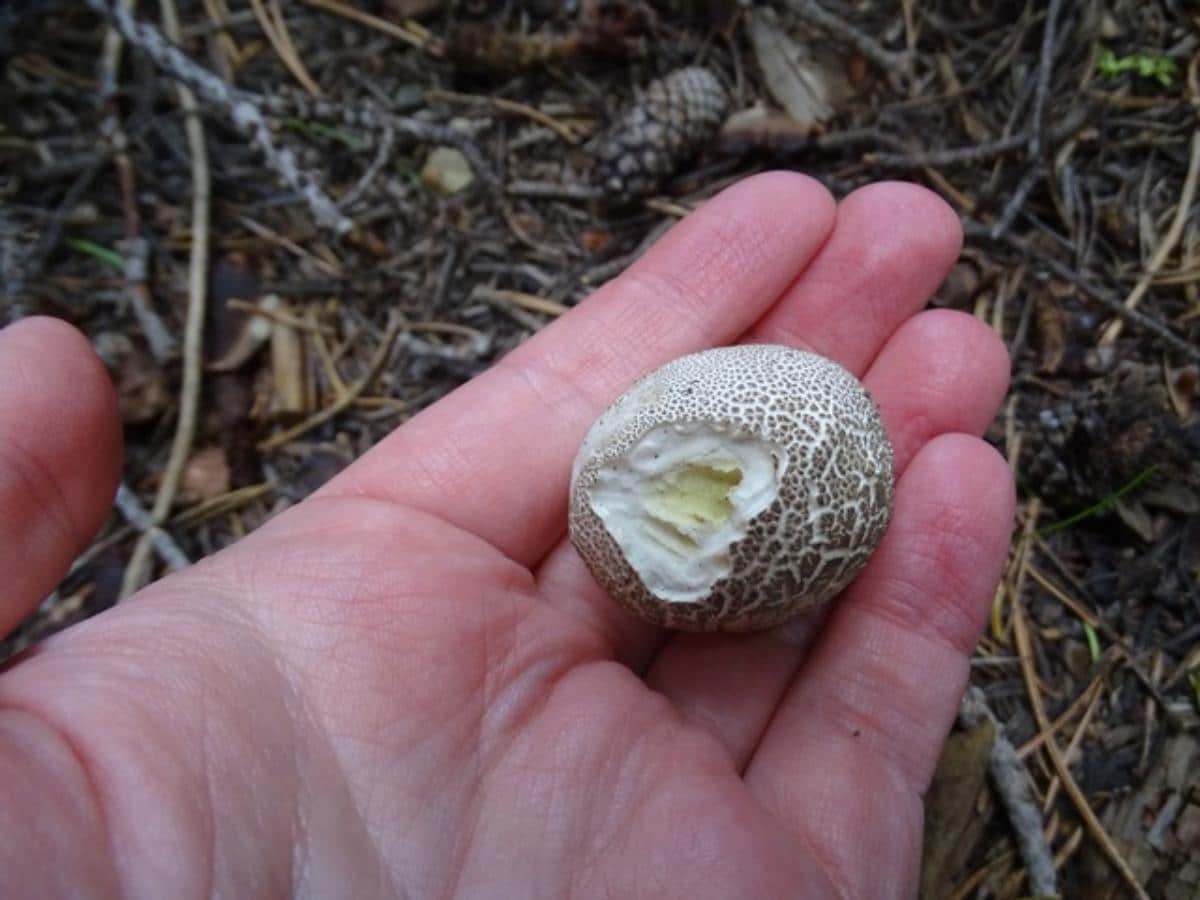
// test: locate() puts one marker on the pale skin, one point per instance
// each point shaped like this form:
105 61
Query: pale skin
410 686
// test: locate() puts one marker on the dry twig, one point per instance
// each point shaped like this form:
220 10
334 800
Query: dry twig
242 110
894 65
1045 66
564 131
376 118
134 249
555 190
1090 289
1011 781
189 398
135 514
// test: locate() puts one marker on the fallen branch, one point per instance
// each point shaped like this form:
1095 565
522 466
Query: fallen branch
1011 781
245 114
1049 36
979 152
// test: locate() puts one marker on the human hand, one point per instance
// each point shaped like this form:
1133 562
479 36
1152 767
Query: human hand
410 686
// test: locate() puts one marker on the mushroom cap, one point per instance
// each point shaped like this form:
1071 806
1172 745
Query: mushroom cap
733 488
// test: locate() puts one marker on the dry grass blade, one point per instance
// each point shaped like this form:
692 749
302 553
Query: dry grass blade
226 503
563 130
275 28
381 25
267 234
395 325
280 316
1083 701
1072 746
530 302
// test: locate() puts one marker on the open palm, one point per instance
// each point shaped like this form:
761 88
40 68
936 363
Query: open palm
410 686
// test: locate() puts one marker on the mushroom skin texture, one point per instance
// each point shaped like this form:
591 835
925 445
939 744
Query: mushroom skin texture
733 488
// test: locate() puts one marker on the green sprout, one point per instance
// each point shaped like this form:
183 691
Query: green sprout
97 251
1093 642
350 140
1102 505
1160 68
1194 680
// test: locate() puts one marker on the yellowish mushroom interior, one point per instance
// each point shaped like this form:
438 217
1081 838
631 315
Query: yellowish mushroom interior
688 501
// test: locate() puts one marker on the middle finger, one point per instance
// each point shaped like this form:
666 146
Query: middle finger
942 372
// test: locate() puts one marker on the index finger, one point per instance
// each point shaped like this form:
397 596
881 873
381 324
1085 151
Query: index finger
494 457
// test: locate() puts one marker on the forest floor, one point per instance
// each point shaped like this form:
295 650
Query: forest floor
446 178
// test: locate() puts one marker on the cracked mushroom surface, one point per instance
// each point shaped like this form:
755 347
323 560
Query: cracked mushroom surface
733 488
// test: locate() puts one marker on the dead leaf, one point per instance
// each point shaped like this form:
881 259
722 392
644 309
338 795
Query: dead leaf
248 335
1136 517
1051 331
953 824
857 69
231 335
755 128
205 475
1183 387
290 370
806 85
959 289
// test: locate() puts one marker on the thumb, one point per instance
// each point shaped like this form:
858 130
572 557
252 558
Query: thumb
60 457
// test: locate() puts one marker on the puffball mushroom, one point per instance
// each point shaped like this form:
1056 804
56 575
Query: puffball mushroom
731 489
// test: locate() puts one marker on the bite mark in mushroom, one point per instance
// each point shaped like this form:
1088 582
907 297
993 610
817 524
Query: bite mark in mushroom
732 489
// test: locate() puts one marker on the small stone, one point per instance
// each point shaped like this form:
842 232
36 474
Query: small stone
446 171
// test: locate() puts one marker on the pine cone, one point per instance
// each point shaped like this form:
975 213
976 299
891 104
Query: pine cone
665 127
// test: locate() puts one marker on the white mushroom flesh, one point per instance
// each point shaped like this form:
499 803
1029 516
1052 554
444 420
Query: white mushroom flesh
680 498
